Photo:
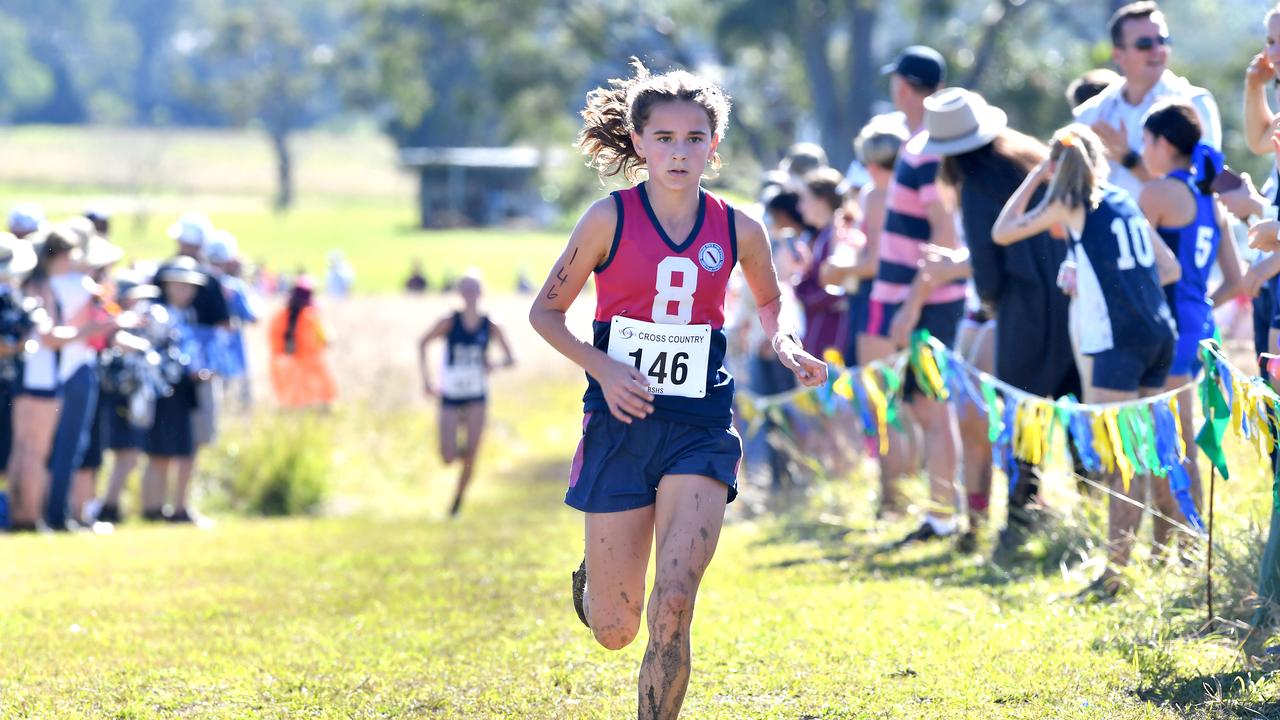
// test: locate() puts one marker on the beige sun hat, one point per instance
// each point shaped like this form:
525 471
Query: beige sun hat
17 257
957 121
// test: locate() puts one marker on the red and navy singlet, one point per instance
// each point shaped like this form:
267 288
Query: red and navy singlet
650 277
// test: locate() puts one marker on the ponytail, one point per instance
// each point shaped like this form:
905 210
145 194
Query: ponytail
1081 167
1206 165
613 112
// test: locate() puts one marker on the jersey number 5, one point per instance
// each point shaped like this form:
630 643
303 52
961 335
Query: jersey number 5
670 293
1135 243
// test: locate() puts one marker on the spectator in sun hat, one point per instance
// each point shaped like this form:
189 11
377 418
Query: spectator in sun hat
25 218
341 275
209 320
172 439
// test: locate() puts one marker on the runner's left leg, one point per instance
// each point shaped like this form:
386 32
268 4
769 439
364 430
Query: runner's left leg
687 521
472 417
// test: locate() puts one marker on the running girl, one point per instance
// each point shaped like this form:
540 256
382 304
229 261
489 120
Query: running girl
658 457
464 380
1121 265
1182 208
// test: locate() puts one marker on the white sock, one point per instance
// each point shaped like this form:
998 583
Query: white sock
942 527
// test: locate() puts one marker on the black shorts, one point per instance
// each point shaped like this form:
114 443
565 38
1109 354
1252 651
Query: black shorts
1126 369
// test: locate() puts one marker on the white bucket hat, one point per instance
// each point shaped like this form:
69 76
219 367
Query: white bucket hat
957 121
17 257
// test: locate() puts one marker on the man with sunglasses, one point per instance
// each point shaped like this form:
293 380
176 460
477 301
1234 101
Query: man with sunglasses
1140 49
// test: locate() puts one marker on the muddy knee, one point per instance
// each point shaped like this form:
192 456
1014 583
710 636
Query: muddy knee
670 609
616 635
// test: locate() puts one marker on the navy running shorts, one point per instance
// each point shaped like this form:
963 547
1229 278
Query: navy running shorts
1127 369
618 466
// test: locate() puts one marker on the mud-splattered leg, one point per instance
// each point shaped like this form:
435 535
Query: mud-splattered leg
689 513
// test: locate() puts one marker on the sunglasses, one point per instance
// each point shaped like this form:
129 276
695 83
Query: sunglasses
1146 44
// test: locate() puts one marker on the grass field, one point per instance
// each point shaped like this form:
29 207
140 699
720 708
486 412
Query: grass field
384 608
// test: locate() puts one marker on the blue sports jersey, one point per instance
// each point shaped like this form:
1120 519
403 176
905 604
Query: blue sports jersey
1118 287
1196 245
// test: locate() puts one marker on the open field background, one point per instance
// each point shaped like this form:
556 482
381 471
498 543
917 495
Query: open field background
382 607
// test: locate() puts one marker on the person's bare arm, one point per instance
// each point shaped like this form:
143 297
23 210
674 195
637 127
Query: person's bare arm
625 388
758 270
440 329
1257 113
509 359
1228 262
1016 223
1167 266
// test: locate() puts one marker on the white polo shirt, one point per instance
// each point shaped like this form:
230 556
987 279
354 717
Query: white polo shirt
1110 106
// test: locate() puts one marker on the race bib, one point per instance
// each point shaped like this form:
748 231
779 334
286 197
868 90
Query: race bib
465 377
673 357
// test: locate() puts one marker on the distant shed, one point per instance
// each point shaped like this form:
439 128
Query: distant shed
476 186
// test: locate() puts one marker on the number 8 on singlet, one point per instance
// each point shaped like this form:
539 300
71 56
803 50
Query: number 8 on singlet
671 353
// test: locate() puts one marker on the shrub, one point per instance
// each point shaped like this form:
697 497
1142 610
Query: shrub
277 465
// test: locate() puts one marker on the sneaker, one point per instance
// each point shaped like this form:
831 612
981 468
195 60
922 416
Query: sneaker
967 543
109 514
1102 590
23 527
187 516
580 591
924 533
155 515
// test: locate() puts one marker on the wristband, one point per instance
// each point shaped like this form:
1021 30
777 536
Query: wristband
785 336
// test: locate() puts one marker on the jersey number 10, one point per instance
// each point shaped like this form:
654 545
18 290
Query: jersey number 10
1135 243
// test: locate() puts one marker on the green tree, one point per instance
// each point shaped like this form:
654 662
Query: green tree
261 67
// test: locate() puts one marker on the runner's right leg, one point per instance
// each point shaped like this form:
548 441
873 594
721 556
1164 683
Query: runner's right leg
618 546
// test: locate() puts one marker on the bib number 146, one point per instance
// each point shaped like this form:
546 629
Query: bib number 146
658 369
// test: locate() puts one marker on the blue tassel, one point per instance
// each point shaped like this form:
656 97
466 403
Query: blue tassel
1005 444
1082 436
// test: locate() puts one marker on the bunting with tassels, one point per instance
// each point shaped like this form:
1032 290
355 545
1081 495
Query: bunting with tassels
1140 437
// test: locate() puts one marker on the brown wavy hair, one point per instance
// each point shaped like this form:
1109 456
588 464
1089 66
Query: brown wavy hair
612 113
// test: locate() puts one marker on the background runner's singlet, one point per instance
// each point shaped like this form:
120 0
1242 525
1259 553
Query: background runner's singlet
651 277
1122 304
465 377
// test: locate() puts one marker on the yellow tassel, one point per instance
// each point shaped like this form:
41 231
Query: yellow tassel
844 385
1102 441
1111 417
879 405
833 357
1238 400
1182 443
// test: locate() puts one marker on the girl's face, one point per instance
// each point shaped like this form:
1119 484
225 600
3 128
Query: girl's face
1157 154
179 294
61 264
676 144
1272 46
815 211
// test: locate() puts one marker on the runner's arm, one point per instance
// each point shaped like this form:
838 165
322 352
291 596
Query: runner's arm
440 330
625 388
501 337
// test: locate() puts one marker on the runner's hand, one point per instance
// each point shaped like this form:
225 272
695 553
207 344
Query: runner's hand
809 370
625 389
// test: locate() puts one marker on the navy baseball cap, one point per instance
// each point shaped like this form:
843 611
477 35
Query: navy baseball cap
920 65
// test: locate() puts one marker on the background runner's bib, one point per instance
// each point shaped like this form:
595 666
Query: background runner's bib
674 357
465 377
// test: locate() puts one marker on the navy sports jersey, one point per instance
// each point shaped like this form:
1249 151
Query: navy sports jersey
1117 285
650 277
465 374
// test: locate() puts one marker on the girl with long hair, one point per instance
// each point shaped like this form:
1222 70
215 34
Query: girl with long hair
1181 206
1122 264
658 458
